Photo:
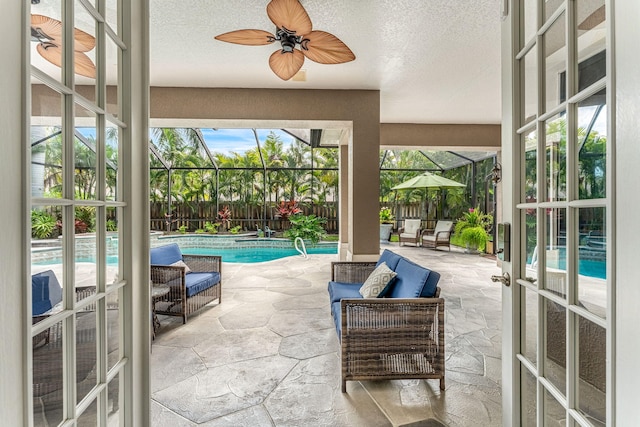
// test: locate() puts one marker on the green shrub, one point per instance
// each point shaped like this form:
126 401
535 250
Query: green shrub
112 225
199 231
42 224
211 227
307 227
182 229
235 230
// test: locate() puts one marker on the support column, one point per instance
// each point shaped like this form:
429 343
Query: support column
364 185
344 197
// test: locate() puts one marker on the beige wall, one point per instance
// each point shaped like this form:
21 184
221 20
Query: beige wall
441 136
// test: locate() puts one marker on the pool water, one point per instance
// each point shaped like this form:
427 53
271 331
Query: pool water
251 255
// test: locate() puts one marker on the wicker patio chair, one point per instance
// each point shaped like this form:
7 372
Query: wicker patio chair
189 290
410 232
440 236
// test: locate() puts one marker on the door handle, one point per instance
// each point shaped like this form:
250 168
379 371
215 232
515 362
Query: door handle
505 279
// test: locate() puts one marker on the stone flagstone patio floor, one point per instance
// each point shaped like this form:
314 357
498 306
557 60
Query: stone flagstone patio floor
269 356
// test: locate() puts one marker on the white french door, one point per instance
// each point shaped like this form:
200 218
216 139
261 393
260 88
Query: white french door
556 150
76 359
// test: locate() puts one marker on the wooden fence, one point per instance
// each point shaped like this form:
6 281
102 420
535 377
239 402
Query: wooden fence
194 215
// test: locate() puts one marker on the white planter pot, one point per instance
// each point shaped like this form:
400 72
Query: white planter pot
385 232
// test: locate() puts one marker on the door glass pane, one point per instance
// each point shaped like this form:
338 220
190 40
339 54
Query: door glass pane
530 166
550 6
556 251
86 351
556 156
555 354
554 414
85 154
112 156
528 398
89 417
530 86
46 262
46 50
531 234
592 147
591 31
113 402
85 52
555 63
46 142
529 324
592 371
112 78
592 261
48 391
112 15
86 252
113 328
530 17
113 240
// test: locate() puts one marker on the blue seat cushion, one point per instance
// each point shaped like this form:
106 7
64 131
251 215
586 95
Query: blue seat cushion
337 318
391 258
339 290
166 255
410 280
197 282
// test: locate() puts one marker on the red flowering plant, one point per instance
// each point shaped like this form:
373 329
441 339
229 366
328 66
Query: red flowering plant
224 216
285 210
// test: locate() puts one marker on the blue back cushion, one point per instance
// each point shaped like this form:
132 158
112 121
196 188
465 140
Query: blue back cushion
166 255
40 302
430 286
46 292
410 280
391 258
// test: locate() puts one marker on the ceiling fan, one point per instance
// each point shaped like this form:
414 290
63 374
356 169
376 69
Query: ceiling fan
48 33
293 28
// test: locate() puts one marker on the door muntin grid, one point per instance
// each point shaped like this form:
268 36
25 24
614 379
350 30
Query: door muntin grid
563 203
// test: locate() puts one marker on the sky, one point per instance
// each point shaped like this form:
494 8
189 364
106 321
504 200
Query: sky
238 141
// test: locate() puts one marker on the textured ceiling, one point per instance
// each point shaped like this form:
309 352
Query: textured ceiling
434 61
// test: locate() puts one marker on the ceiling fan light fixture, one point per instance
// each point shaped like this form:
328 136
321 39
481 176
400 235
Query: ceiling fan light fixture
300 76
293 27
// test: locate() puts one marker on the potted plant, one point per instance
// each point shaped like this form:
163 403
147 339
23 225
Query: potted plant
472 229
386 223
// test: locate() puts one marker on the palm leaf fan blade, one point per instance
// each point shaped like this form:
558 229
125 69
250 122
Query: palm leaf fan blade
84 42
49 27
286 64
289 15
84 66
247 37
325 48
51 53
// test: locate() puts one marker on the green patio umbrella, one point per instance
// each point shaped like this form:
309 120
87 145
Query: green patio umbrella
428 180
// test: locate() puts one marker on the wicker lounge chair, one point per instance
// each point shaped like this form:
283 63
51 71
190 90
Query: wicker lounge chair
440 236
410 233
190 289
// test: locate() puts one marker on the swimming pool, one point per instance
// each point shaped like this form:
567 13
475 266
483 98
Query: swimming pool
234 249
257 254
241 249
